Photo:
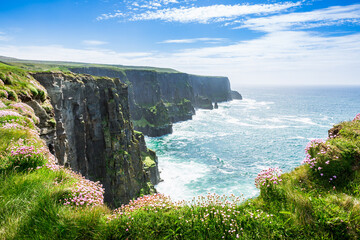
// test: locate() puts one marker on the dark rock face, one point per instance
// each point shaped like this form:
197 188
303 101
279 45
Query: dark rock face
158 99
94 134
216 89
236 95
46 125
151 171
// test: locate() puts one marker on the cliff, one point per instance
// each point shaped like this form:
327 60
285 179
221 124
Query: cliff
157 98
94 135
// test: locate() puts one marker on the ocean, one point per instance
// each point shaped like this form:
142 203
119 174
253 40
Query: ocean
222 150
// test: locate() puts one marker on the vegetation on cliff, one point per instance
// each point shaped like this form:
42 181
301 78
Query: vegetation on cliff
42 200
317 200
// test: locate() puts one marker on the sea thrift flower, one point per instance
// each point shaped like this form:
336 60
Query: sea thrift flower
267 177
85 192
25 110
13 126
4 113
2 105
357 117
311 161
25 156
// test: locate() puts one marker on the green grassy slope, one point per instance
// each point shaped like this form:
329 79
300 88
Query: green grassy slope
34 65
41 200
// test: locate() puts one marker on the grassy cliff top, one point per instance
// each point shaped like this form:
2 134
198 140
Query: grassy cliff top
34 65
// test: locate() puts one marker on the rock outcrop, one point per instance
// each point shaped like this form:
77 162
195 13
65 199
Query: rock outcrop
158 99
94 134
236 95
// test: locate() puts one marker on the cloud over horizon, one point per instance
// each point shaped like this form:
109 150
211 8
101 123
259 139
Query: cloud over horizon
271 58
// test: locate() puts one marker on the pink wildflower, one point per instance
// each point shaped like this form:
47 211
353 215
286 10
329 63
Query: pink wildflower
268 176
357 117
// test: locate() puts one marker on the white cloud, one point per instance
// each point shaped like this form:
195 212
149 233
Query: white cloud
285 57
302 20
94 42
60 53
203 14
106 16
154 4
211 13
193 40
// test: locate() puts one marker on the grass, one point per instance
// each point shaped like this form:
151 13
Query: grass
148 160
142 123
18 83
300 207
33 65
305 204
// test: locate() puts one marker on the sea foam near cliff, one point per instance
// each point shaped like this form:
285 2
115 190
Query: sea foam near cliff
222 150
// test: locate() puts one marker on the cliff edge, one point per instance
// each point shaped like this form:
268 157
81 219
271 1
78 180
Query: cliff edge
94 135
158 99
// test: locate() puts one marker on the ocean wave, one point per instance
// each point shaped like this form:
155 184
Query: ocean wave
177 175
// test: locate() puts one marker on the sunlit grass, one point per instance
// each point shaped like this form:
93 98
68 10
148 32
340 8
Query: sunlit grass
42 200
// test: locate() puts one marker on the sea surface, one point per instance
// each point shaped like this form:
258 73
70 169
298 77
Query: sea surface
222 151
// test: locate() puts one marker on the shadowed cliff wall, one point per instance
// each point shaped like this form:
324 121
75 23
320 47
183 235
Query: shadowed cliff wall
94 134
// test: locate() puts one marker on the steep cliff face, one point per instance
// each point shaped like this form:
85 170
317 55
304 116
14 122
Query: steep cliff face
216 89
94 134
158 99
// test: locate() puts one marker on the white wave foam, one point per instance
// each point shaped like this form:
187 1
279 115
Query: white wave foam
177 175
297 137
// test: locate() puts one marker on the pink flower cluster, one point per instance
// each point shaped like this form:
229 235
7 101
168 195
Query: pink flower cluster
312 144
13 126
317 163
268 177
20 123
332 136
21 153
148 203
212 208
4 113
216 200
357 117
2 105
85 192
25 110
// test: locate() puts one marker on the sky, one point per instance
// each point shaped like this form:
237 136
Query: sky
253 42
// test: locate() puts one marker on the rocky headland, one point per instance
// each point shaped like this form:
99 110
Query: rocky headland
90 117
157 99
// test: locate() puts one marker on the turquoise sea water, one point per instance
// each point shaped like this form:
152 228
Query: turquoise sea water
223 150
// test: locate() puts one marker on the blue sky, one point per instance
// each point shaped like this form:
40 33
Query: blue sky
252 42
